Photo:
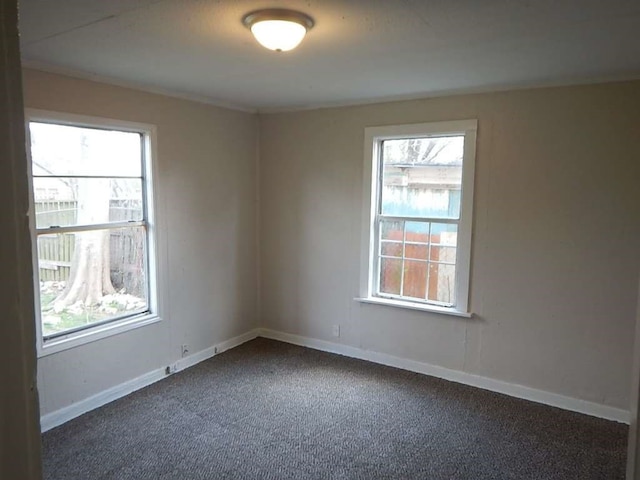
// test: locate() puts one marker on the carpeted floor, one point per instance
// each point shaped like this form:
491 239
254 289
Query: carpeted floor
268 410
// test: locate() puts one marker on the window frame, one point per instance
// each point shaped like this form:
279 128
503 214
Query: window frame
374 136
100 330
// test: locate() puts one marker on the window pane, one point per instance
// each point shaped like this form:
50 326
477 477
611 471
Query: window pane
415 279
67 201
444 238
391 230
416 251
416 240
66 150
442 283
391 249
443 254
422 177
444 235
90 277
428 270
390 275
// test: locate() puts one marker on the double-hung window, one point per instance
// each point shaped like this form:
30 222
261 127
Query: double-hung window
416 246
92 227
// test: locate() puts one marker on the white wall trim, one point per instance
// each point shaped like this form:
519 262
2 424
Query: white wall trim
54 419
207 353
485 383
63 415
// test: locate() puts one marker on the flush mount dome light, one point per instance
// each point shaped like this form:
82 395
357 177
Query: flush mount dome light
278 29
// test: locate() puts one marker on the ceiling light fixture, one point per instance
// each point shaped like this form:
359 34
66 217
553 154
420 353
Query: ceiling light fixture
278 29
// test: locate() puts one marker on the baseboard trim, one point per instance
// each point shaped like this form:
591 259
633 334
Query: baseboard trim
207 353
63 415
485 383
57 418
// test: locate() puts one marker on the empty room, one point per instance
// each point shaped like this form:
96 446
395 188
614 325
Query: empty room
358 239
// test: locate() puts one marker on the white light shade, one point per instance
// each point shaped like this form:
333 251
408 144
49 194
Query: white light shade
279 35
278 29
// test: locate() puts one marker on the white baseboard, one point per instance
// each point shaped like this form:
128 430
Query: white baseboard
513 390
54 419
207 353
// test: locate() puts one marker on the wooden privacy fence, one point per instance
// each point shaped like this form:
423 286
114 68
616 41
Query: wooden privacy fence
427 270
126 246
128 260
54 254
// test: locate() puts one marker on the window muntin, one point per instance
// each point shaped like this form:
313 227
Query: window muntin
417 261
419 230
62 209
91 226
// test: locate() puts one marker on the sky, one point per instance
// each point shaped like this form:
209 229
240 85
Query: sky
58 150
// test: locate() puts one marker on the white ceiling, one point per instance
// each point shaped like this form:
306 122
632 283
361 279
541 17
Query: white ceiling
359 50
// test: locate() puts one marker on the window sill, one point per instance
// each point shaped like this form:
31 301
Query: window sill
93 334
413 306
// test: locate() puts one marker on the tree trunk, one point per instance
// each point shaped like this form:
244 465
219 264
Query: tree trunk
90 276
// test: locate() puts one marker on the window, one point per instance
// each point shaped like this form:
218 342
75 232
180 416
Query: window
92 228
418 209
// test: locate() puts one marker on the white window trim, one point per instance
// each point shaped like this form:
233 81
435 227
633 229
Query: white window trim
75 339
372 141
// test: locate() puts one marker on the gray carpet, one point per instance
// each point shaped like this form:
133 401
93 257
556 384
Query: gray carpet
268 410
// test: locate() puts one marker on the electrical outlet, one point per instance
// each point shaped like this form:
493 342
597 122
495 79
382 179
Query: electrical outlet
336 330
185 350
173 368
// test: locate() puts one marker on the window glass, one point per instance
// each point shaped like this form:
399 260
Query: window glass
65 201
417 260
68 269
83 177
63 150
422 177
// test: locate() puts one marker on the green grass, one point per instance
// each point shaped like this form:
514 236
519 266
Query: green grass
73 317
70 320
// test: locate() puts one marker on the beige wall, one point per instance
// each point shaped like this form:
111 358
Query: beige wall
206 201
555 257
554 260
